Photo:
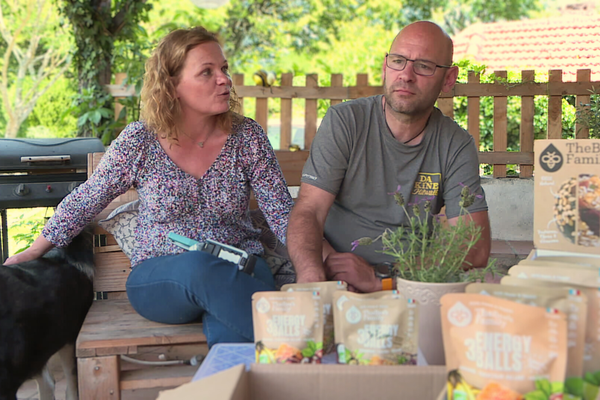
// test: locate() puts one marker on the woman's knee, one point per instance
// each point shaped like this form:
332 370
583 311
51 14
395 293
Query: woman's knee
166 302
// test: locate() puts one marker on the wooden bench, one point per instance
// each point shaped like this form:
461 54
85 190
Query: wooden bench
113 329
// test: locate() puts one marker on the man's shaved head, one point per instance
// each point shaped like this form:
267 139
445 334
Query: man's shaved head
431 35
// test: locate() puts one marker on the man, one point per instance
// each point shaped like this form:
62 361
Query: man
369 148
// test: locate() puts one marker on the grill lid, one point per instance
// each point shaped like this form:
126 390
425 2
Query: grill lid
23 155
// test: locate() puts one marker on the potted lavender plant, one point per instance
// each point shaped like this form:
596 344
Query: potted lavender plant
430 261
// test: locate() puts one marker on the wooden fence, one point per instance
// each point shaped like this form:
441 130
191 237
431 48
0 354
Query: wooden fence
473 90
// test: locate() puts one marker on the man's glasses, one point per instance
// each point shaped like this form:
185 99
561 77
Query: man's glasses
421 67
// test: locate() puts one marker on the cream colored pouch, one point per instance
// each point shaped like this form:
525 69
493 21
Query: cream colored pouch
583 261
589 387
288 327
563 262
500 349
326 289
570 301
375 328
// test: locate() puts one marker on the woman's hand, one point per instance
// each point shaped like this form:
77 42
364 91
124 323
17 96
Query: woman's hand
39 247
26 255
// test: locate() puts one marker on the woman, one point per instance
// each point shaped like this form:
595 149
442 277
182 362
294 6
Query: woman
193 162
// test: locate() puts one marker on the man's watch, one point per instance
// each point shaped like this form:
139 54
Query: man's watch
383 270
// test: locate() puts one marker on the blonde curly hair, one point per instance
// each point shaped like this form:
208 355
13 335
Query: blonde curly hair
160 105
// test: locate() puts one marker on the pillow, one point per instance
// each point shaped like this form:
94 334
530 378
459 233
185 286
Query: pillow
276 254
121 223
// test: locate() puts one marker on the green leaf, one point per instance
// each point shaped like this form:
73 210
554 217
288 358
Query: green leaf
590 378
597 376
590 391
95 117
557 387
536 395
307 352
544 386
263 358
105 112
574 386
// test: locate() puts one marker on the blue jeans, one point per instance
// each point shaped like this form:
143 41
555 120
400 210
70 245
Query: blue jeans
185 287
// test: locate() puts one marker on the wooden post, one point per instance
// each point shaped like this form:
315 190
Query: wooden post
362 80
119 78
337 80
285 138
500 127
99 378
446 106
554 107
473 110
310 115
582 132
527 133
238 81
262 112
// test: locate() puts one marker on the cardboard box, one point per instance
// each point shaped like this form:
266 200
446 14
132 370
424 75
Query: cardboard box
315 382
566 256
567 195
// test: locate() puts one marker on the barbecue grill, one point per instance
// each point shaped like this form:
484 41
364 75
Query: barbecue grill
40 173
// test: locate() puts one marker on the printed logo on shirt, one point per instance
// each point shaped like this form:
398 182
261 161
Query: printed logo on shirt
427 184
314 178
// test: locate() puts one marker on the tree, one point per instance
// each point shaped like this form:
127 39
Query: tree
97 24
32 61
455 15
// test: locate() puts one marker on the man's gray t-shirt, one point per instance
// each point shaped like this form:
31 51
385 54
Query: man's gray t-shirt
355 157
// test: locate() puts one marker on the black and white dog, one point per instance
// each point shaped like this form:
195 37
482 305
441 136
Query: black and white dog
42 306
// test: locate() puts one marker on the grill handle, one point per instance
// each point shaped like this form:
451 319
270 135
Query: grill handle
40 159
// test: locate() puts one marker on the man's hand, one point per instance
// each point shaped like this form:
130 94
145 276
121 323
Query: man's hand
353 270
305 233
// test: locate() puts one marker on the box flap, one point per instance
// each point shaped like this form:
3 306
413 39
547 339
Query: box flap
348 382
231 384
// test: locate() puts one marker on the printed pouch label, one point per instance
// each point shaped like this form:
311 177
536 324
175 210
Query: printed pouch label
326 289
288 327
375 328
569 301
500 349
589 387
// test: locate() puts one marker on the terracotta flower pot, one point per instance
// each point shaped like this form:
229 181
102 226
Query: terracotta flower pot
428 297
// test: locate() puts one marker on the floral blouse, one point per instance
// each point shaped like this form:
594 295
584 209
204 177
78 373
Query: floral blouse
212 207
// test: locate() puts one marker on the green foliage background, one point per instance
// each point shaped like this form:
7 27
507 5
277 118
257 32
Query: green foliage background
297 36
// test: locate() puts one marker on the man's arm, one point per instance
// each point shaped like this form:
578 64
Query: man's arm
480 253
310 253
305 232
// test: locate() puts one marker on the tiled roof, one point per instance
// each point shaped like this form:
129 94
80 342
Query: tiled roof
568 42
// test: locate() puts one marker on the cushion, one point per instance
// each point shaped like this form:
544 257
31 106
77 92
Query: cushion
121 223
276 254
